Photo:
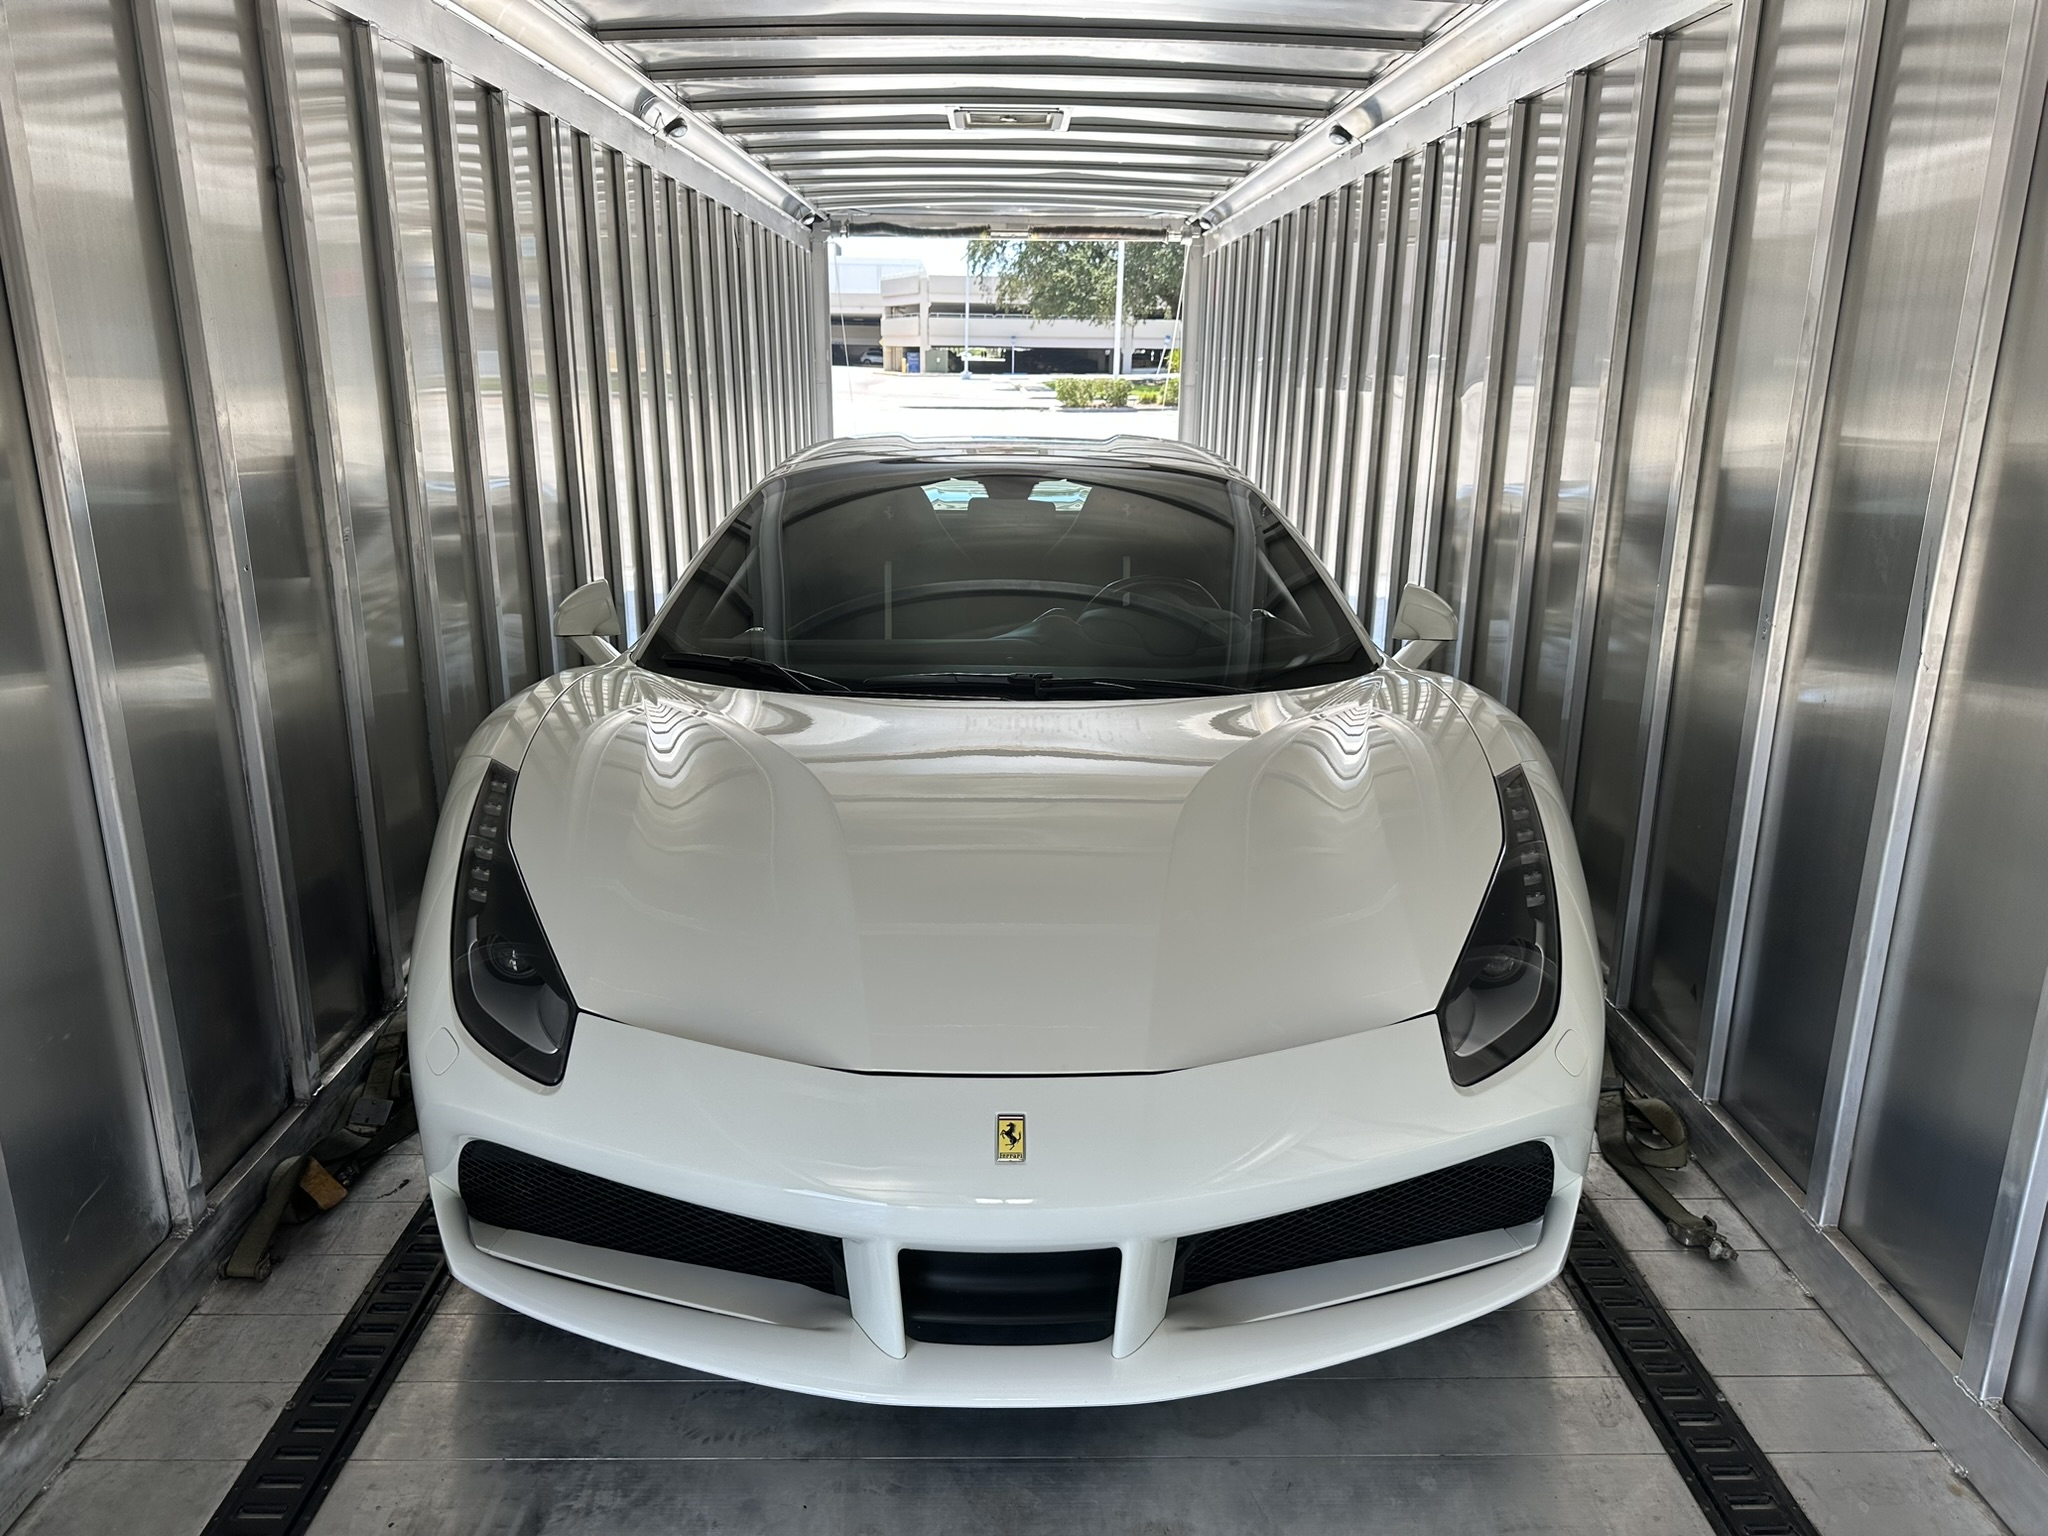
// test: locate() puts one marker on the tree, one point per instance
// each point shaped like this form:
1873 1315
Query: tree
1076 279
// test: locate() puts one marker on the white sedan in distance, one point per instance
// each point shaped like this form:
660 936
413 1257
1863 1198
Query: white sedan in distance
1004 935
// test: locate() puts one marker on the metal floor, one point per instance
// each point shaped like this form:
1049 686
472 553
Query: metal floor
501 1425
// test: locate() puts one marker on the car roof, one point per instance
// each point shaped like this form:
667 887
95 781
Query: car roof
1124 451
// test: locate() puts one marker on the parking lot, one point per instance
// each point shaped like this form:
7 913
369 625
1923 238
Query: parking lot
868 400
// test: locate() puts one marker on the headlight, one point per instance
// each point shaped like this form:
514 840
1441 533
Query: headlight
508 990
1503 993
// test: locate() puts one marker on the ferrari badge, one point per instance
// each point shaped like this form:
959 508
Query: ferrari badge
1009 1138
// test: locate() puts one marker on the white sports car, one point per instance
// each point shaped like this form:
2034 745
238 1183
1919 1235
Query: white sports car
1004 936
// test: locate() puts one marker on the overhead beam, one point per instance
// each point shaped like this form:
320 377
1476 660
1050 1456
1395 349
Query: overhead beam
1025 193
1011 213
1007 68
1000 216
1019 205
802 162
1190 194
1425 16
936 130
1091 109
912 172
1007 94
1037 28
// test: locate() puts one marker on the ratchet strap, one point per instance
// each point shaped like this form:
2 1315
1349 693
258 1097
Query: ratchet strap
379 1116
1638 1134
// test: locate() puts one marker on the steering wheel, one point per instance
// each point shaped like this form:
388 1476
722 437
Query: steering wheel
931 592
1122 589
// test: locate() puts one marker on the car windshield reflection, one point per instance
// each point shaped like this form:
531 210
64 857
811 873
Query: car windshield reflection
972 579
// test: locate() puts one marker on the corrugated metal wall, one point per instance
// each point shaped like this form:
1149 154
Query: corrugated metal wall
328 369
1703 374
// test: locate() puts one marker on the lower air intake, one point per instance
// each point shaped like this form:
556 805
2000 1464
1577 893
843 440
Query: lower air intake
1009 1298
1502 1189
529 1194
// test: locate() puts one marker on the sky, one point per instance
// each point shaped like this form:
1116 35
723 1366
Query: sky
941 258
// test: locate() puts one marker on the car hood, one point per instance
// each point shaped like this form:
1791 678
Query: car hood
946 886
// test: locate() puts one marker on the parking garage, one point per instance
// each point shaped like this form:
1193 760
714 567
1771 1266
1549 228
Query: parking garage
1690 351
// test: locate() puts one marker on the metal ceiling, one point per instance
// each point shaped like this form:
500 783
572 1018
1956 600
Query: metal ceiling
1166 104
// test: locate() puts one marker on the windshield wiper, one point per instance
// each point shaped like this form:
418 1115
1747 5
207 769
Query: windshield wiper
788 678
1036 685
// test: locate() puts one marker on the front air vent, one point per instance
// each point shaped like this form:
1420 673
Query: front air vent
1009 1298
1010 119
512 1189
1502 1189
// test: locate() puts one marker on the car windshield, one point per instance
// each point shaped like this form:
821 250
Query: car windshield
1007 577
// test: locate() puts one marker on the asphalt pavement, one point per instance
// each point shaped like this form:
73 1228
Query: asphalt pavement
866 400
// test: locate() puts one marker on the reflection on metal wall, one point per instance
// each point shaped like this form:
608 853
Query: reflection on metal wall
1411 204
1474 418
157 547
401 91
1971 939
1689 93
329 366
1499 563
1772 250
243 300
1715 473
1937 91
342 327
76 1153
1587 386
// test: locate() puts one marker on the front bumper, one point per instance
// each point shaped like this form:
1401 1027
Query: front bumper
892 1162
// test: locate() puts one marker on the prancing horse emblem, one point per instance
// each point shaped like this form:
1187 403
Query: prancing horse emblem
1009 1138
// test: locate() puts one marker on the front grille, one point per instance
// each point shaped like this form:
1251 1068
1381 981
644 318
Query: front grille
1502 1189
1009 1298
528 1194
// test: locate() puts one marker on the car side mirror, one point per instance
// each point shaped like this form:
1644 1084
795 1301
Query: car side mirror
588 618
1424 621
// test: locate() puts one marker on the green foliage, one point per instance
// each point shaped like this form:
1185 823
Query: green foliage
1076 279
1101 389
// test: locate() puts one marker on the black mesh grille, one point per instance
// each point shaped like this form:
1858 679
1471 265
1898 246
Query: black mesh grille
1502 1189
528 1194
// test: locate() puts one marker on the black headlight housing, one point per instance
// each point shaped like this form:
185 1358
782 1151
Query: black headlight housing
509 992
1504 990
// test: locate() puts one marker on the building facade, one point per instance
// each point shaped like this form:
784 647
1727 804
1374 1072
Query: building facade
928 321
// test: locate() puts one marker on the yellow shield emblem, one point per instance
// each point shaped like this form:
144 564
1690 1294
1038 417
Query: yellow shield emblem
1009 1138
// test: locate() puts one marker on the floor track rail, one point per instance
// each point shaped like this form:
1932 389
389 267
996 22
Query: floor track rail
281 1488
1738 1489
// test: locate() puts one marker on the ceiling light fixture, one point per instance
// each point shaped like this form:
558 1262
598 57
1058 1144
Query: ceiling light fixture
1009 119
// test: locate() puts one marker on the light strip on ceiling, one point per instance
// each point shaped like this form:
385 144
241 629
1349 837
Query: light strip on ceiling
582 58
570 49
1468 45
